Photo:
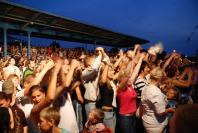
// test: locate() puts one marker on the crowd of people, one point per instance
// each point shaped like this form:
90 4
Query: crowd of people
62 90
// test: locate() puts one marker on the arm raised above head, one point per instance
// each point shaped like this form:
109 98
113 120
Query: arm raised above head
103 79
182 82
91 72
67 79
136 69
40 76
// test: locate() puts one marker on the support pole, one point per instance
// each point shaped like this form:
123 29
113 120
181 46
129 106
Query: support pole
21 45
94 45
86 48
5 45
28 47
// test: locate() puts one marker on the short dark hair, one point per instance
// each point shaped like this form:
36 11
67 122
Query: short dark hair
143 65
185 119
4 96
36 87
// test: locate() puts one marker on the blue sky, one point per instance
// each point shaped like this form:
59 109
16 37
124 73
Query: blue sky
168 21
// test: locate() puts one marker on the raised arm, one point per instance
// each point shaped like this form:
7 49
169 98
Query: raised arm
136 69
136 50
68 78
168 61
40 76
122 85
104 75
184 73
116 64
92 70
146 57
50 95
51 92
184 83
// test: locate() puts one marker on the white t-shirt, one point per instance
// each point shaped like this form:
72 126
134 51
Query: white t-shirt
24 103
153 101
14 69
90 77
67 116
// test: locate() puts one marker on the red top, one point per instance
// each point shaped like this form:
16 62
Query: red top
127 100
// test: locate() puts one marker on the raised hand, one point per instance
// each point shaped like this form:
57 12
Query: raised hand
50 64
75 63
171 110
106 59
142 55
137 46
65 68
58 64
120 53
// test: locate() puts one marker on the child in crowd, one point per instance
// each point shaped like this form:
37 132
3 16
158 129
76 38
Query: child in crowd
95 123
172 97
49 120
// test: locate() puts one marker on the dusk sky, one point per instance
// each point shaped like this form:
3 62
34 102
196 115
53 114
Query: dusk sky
172 22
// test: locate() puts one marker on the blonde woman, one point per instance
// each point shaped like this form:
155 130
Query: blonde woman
154 104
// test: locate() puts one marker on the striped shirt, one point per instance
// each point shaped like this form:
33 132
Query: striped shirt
139 85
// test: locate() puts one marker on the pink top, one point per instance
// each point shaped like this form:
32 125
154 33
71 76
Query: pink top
127 100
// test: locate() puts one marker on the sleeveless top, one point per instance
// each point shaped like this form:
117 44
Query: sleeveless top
127 100
106 96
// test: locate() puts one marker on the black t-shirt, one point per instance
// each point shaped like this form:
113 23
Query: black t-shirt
19 120
106 95
4 120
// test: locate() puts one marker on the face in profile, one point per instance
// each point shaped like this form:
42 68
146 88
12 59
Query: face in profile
37 96
3 103
44 125
147 69
16 81
110 73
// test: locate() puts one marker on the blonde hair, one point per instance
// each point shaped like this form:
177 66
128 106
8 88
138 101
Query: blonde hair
157 73
51 113
98 114
12 76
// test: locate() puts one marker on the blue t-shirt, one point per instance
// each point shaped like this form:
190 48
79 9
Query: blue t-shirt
171 104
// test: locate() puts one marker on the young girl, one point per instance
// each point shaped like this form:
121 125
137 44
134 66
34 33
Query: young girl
108 96
49 120
172 97
95 122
